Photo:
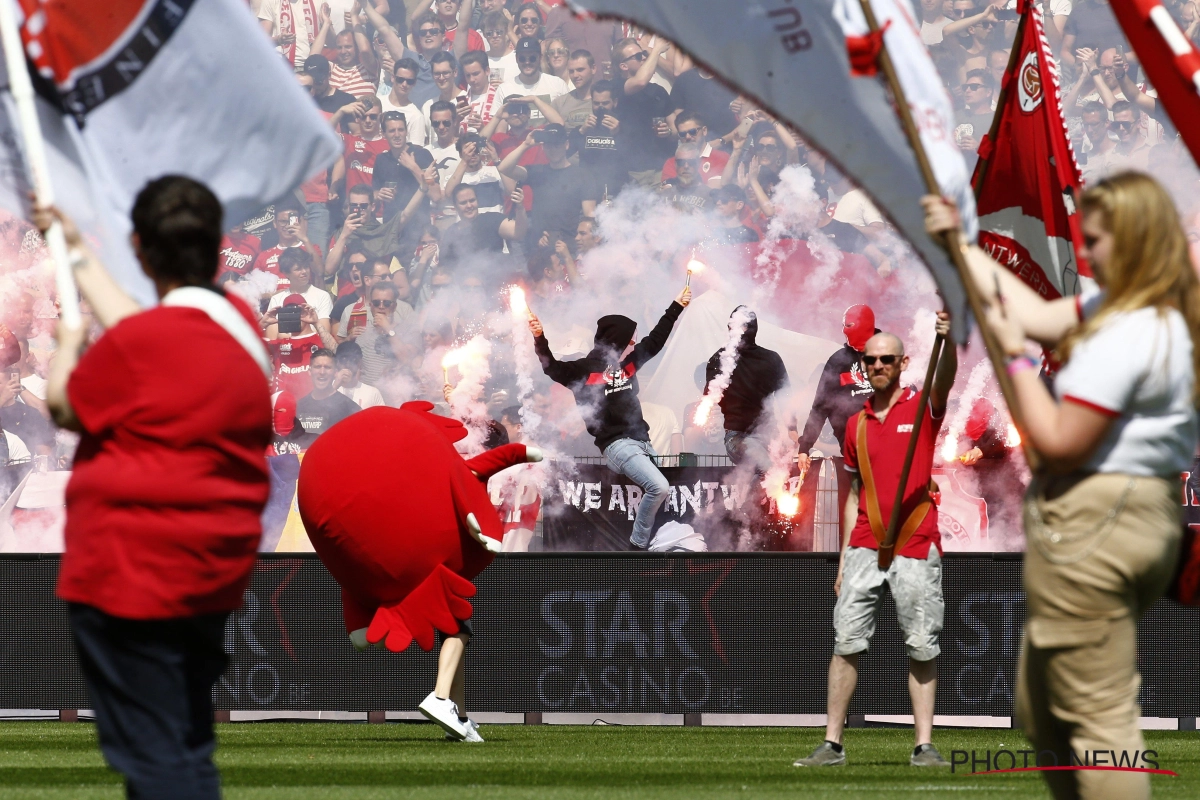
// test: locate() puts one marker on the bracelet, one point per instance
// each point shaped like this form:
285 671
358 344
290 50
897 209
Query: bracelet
1020 364
1094 72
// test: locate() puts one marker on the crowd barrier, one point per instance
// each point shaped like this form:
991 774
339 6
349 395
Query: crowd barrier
604 633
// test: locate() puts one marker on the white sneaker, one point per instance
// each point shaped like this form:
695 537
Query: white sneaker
445 714
472 732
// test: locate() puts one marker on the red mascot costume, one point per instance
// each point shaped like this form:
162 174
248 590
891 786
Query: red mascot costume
404 539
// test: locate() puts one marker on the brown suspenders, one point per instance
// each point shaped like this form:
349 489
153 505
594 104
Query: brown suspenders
874 517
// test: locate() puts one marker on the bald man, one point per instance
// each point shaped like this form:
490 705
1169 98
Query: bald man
875 445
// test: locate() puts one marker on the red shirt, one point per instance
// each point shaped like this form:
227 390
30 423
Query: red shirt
292 357
711 166
316 188
887 443
238 252
170 479
505 144
474 41
359 155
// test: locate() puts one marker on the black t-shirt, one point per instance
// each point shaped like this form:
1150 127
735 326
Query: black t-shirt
846 237
636 111
331 103
605 156
1093 25
558 196
707 97
469 237
696 197
340 305
318 416
388 169
27 425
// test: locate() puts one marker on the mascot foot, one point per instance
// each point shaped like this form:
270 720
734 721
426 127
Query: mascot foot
488 542
445 714
533 454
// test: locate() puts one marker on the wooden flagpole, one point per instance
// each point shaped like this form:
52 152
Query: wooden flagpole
1002 98
35 158
956 250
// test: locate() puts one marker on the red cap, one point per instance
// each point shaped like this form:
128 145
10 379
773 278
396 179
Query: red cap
979 418
858 325
284 417
294 300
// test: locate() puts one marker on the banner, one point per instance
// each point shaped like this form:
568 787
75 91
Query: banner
131 90
791 57
1170 61
1027 180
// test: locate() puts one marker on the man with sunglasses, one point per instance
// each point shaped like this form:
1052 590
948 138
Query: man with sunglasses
690 129
975 118
876 441
1132 151
404 78
645 107
502 57
390 338
1098 142
530 82
357 165
443 144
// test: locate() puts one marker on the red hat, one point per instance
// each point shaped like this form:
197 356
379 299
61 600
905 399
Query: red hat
294 300
10 349
979 418
284 411
858 325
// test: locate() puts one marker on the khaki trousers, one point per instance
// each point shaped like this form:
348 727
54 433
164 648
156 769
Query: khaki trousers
1100 549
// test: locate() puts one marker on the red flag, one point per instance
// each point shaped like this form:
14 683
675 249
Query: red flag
1171 63
1027 179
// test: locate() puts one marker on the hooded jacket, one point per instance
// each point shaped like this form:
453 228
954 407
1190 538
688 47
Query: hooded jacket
758 374
840 395
604 384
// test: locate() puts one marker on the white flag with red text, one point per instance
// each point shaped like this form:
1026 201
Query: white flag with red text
792 57
130 90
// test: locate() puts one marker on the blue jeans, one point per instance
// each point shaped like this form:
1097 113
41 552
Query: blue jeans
635 460
746 448
317 215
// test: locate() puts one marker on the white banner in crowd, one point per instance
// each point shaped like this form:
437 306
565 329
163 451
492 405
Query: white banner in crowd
790 56
145 88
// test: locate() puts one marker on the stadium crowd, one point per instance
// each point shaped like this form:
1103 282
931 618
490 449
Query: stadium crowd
477 160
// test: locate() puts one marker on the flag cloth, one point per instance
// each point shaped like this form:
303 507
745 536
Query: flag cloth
130 90
1170 61
1027 180
792 57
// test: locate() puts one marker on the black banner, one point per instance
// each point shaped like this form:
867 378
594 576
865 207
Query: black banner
748 633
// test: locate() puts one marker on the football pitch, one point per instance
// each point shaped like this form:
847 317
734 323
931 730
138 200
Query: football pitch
341 760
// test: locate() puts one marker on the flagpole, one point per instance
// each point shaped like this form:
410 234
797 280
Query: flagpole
35 158
956 250
1010 72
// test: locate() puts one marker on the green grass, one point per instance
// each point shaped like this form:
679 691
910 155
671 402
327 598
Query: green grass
360 761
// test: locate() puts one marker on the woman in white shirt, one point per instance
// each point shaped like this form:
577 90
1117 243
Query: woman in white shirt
1103 518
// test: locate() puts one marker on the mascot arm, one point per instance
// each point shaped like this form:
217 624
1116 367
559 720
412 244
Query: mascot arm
438 603
488 463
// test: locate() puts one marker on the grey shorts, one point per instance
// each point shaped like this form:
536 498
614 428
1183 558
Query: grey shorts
916 589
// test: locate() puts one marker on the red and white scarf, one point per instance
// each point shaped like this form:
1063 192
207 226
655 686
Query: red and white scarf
288 25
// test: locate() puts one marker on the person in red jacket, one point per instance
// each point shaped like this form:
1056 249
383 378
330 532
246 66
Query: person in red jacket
173 408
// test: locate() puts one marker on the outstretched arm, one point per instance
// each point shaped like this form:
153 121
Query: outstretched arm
654 341
943 377
564 372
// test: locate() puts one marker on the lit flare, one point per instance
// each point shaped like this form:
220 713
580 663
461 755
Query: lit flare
703 409
520 307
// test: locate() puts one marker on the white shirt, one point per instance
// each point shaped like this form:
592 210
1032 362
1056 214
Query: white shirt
854 208
931 32
486 174
445 159
269 10
319 299
366 396
418 133
503 67
36 385
548 87
486 104
663 425
1137 369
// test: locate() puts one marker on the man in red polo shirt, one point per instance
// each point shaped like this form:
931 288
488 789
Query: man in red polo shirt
875 446
173 406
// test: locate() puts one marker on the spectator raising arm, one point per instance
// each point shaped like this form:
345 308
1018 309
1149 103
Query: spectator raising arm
509 167
393 43
641 78
516 228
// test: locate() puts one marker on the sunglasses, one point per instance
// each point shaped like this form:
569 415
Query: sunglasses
442 123
529 21
558 51
359 208
887 360
409 81
382 303
528 59
639 56
491 34
1125 126
370 116
427 32
688 134
973 87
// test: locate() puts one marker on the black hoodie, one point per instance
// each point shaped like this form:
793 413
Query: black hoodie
841 393
758 374
604 382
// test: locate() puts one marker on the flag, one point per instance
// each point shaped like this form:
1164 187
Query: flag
1027 180
792 57
1170 60
130 90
